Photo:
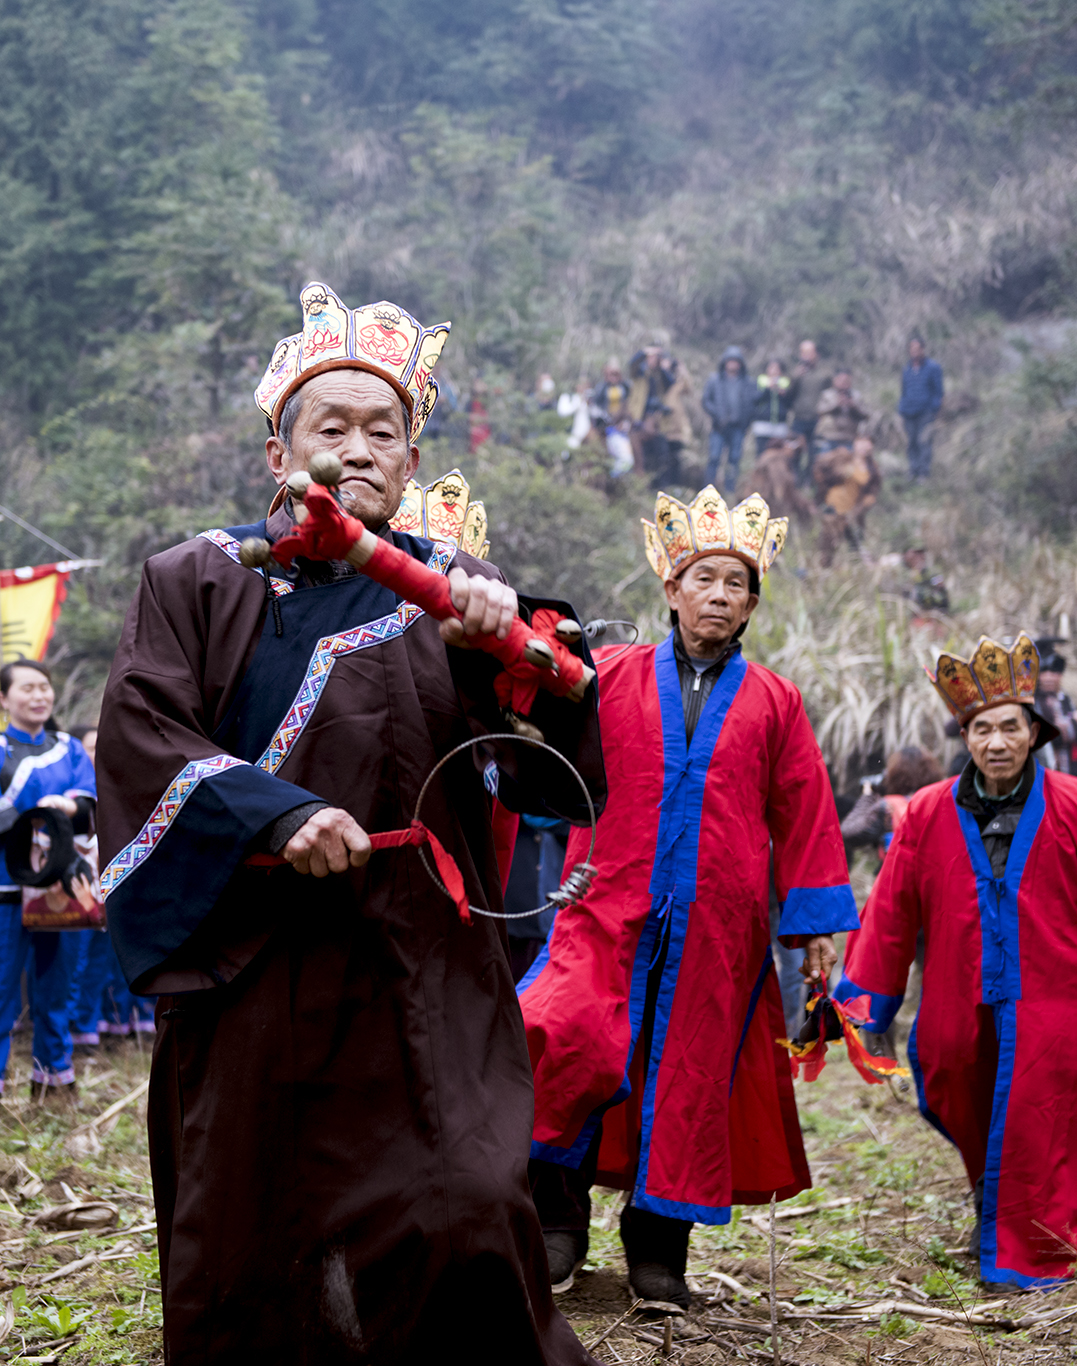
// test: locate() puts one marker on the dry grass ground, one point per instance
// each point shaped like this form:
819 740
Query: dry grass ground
79 1278
879 1278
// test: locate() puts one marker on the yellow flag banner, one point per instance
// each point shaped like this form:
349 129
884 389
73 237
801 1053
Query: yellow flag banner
30 603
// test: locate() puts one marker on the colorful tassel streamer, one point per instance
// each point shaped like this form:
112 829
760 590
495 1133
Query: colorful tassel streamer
837 1023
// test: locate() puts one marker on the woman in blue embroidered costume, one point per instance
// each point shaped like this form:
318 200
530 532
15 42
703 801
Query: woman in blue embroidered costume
341 1098
40 766
653 1013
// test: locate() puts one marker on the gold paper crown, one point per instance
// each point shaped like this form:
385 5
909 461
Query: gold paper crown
992 676
706 526
380 338
441 512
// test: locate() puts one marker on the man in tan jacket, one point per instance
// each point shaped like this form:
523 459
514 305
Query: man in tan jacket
841 412
849 481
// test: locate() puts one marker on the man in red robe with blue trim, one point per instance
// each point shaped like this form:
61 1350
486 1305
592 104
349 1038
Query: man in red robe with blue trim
653 1014
985 865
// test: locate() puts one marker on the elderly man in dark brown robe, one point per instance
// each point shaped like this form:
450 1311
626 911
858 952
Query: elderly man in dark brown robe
341 1100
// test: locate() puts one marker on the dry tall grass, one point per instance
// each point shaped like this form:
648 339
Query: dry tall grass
857 648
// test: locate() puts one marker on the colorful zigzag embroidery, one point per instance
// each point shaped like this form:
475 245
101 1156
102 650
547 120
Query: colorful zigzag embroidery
331 648
328 650
164 813
230 546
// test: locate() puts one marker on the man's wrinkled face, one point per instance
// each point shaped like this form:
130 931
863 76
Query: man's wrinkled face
712 599
357 417
1000 740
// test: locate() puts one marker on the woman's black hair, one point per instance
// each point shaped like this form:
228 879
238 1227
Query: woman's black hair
7 672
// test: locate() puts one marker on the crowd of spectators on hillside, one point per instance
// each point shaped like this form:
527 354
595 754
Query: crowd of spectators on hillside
639 414
812 430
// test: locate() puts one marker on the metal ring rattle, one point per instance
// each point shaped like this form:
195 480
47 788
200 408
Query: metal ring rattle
579 879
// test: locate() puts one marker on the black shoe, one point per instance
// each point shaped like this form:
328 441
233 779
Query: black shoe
566 1252
41 1091
659 1287
656 1250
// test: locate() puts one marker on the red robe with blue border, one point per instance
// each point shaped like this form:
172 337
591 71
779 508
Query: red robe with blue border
991 1049
687 834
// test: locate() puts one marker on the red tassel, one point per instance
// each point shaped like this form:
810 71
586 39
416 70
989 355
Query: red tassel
416 834
451 876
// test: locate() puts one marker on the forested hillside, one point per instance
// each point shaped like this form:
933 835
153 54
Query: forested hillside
563 181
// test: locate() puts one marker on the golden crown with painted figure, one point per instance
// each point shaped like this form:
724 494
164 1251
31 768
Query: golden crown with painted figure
991 677
381 338
442 512
680 534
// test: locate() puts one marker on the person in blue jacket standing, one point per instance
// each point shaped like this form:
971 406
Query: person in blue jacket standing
729 399
39 766
921 399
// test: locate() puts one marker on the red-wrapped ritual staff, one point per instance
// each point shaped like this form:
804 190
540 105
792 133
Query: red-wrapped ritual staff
533 656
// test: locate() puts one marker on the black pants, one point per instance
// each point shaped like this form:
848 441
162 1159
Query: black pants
522 953
563 1199
661 459
804 465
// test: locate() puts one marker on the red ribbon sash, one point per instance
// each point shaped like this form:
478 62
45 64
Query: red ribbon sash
416 834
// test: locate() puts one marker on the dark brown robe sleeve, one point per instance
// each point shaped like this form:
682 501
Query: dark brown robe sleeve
165 787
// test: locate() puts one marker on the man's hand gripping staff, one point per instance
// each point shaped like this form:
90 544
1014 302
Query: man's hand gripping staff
532 656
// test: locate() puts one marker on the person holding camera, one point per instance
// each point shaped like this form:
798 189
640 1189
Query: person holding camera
884 799
42 767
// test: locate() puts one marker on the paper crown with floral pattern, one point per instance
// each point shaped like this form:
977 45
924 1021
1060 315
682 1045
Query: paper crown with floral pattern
679 534
441 512
993 676
380 338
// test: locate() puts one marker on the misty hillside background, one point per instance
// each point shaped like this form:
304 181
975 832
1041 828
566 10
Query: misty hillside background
564 181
